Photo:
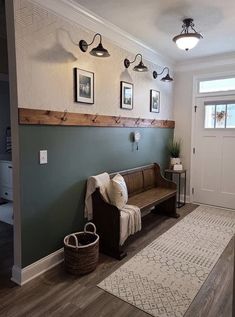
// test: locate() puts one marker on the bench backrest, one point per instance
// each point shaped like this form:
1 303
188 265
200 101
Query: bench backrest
140 179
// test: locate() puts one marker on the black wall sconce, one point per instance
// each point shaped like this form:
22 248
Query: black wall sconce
165 78
138 68
98 51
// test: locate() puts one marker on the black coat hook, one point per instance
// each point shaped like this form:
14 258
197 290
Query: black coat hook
64 118
94 119
118 120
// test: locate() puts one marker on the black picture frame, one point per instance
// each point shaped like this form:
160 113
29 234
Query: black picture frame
154 101
84 91
126 95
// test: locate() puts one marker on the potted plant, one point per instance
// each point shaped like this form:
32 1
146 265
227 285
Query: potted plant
174 148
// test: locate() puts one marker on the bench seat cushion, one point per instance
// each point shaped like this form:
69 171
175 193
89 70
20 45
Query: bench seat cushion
151 197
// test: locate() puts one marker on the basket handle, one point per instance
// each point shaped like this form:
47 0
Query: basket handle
75 238
90 224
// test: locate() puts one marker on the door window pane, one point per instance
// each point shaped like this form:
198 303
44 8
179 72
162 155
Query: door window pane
220 116
230 116
209 116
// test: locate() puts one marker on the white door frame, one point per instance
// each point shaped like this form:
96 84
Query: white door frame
195 95
14 135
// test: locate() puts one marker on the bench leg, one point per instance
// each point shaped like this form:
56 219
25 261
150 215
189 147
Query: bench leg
116 253
168 208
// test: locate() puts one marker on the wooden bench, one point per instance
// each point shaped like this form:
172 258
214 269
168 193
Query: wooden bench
147 188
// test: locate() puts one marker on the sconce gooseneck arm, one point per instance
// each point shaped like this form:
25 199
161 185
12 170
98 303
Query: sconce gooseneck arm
97 34
157 74
136 58
163 71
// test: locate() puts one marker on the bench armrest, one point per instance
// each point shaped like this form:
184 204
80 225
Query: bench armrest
107 220
162 181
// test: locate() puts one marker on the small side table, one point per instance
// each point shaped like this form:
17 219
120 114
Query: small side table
169 174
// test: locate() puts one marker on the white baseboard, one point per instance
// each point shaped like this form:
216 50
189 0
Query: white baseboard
22 276
216 207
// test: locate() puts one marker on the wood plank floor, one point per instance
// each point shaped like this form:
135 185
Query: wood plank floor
58 294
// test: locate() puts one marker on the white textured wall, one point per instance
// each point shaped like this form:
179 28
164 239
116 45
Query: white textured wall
183 107
47 53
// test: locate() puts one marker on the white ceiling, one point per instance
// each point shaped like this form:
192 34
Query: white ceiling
155 22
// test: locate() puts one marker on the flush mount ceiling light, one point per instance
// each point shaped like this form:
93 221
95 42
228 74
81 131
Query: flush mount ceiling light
138 68
98 51
187 40
166 78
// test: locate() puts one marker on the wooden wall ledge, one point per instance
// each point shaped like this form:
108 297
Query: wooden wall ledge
48 117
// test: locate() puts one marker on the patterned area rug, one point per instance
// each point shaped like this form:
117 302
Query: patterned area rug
164 277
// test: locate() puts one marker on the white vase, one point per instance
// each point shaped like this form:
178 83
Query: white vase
175 160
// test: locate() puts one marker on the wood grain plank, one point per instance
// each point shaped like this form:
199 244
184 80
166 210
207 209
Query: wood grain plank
49 117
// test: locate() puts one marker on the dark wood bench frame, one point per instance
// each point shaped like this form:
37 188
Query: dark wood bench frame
107 217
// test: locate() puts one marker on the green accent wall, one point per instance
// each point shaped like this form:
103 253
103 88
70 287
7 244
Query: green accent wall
52 195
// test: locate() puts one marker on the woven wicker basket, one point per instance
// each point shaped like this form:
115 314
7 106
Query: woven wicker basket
81 251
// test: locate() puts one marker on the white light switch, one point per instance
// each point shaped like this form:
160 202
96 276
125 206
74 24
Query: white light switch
43 157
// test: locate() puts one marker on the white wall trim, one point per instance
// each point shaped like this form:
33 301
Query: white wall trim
23 276
205 62
212 206
16 275
191 174
78 14
212 76
14 130
195 95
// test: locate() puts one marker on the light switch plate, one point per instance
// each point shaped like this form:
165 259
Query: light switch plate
43 157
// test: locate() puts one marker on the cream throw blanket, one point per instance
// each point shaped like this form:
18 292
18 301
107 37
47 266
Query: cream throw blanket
130 222
101 181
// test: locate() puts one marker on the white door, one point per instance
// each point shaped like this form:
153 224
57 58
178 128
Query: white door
214 155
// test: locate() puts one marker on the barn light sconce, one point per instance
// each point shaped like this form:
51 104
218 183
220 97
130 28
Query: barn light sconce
138 68
187 40
98 51
166 78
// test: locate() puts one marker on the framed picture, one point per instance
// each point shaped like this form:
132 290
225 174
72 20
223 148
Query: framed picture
154 101
84 86
126 95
